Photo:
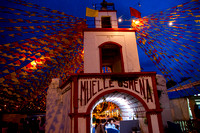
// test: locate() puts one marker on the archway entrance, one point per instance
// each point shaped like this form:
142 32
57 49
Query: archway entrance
134 93
118 107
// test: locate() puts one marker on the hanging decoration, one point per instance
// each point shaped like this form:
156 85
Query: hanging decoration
37 44
171 40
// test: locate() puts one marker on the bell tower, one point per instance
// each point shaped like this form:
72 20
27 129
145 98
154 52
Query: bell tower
107 47
111 72
107 17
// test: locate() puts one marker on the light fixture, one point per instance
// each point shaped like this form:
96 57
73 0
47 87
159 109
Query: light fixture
137 22
119 20
170 23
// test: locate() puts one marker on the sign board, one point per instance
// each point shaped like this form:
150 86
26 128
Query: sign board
89 88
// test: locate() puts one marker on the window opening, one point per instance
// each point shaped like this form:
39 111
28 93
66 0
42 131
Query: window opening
105 21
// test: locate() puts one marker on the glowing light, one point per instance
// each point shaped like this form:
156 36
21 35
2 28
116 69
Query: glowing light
82 53
33 63
38 62
170 23
4 105
17 106
119 20
123 105
137 22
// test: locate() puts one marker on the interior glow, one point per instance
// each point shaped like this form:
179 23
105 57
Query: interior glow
127 111
125 104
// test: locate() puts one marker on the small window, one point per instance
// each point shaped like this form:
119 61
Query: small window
107 69
105 21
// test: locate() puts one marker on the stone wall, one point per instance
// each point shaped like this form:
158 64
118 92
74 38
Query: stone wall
57 109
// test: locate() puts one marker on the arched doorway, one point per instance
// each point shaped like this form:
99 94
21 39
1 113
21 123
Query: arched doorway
111 57
128 102
130 109
139 91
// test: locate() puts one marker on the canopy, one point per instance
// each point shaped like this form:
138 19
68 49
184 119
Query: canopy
38 43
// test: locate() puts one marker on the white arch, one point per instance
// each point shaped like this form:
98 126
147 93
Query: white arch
125 102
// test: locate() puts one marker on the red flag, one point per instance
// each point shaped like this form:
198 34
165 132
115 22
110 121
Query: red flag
135 13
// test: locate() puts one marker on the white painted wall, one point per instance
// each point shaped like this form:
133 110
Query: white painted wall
164 100
154 121
143 126
82 125
91 51
112 15
179 109
57 109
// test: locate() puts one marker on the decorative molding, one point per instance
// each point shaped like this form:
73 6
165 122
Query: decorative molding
109 29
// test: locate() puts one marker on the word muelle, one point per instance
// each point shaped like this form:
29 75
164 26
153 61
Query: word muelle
90 87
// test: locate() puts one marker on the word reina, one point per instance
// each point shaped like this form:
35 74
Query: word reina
91 87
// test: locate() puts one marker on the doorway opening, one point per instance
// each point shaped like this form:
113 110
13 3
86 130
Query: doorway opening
105 22
117 108
111 58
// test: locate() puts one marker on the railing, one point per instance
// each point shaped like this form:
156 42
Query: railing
189 126
109 6
124 24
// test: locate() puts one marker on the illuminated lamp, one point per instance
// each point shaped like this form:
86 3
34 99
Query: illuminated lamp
137 22
82 53
170 23
33 63
119 20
